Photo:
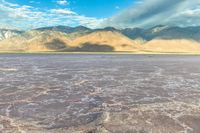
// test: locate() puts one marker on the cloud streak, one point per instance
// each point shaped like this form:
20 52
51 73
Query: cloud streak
26 17
154 12
63 11
144 13
62 2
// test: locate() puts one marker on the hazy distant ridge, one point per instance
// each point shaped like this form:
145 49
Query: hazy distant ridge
63 38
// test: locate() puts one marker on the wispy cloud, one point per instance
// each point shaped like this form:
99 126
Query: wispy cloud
34 2
63 11
145 13
62 2
153 12
139 2
27 17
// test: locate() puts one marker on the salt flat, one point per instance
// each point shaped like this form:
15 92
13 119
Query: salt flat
46 93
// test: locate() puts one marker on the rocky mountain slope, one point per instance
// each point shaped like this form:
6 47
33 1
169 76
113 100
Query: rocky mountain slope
62 38
114 39
5 33
163 32
36 41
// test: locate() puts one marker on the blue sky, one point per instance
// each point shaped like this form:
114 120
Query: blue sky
90 8
30 14
26 14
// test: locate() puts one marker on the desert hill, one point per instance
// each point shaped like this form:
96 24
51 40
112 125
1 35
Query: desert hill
172 46
36 41
62 38
118 41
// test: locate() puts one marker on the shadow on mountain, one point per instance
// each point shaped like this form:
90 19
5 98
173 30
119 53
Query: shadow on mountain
56 44
88 47
168 33
190 33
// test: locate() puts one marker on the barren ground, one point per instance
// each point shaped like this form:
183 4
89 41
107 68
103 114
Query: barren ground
99 93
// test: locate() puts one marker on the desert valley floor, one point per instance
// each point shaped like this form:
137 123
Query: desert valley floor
41 93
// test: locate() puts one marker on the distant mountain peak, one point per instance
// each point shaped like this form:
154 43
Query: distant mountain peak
65 29
110 29
80 26
160 37
158 28
6 33
107 29
59 27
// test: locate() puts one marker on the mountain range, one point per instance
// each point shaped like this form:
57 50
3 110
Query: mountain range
160 38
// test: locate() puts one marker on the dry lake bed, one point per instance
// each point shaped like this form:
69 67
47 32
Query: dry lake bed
41 93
